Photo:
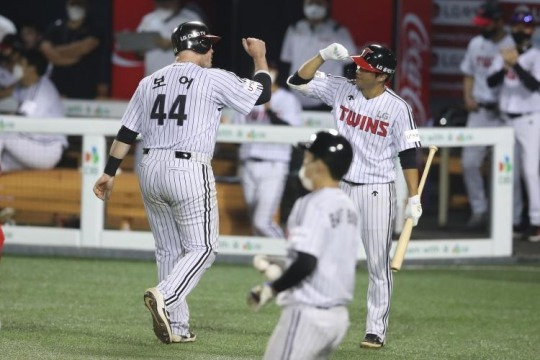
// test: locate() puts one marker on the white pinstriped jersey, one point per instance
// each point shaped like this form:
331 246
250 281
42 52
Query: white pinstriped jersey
287 108
325 224
179 107
477 61
514 96
377 128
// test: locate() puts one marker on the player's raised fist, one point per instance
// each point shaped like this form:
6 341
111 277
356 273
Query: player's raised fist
334 51
255 48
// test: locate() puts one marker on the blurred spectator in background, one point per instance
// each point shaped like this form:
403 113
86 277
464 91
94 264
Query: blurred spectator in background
517 72
167 15
37 98
265 166
72 45
481 101
306 37
7 37
30 35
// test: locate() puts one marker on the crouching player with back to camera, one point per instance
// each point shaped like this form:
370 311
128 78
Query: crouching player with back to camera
322 241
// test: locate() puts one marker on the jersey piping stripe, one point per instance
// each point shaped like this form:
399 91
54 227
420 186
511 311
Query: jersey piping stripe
291 334
389 244
202 261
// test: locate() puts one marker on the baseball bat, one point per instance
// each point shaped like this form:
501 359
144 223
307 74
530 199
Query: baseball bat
405 235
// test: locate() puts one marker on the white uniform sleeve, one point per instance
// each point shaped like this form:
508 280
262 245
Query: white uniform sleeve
134 114
496 65
324 87
288 108
467 64
530 62
405 132
237 93
308 235
286 48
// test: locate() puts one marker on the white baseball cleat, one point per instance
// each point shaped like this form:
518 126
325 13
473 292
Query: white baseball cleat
153 299
190 337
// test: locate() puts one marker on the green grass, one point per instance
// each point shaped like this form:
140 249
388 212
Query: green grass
52 308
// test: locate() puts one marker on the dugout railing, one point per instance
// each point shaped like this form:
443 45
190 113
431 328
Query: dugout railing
93 235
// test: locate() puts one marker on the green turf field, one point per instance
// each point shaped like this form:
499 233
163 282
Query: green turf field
92 309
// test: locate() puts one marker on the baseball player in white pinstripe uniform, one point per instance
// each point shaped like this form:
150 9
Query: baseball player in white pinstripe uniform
379 125
265 166
481 102
322 243
516 71
177 110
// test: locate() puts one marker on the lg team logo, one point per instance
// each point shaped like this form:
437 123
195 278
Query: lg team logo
91 157
193 34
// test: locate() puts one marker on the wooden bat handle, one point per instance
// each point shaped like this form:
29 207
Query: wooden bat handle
405 235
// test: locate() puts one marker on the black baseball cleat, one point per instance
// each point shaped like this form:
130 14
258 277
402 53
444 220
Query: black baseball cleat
153 299
372 341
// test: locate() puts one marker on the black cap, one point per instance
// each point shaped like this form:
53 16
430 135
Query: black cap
333 149
487 13
522 14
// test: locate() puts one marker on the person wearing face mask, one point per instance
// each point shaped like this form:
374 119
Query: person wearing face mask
307 36
516 73
163 19
37 98
74 47
265 166
322 245
481 102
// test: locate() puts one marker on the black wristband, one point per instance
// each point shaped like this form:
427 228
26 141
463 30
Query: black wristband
112 165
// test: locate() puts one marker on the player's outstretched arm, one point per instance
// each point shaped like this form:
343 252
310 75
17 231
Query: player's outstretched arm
256 48
119 149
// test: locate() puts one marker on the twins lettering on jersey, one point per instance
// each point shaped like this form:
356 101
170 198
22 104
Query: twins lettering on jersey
484 61
364 122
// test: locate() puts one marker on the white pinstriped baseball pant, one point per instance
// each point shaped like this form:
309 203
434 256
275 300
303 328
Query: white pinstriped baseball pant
181 205
263 183
307 333
376 204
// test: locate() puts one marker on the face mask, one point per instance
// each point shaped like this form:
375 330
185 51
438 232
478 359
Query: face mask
273 76
488 34
314 11
76 13
17 72
306 183
520 37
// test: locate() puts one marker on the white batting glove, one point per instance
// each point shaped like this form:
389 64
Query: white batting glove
259 296
334 51
413 209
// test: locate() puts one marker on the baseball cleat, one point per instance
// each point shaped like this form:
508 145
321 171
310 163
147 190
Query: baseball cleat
190 337
371 341
153 299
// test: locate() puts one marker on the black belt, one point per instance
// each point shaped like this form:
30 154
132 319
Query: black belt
352 183
256 159
177 154
515 115
488 106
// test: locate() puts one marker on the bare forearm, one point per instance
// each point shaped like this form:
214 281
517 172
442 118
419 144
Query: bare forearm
468 82
310 67
411 178
78 48
260 63
119 149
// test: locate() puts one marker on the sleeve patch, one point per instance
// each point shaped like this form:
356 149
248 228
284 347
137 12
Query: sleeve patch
412 136
250 85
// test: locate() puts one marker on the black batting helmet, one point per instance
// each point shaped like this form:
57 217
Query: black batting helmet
193 35
333 149
376 58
